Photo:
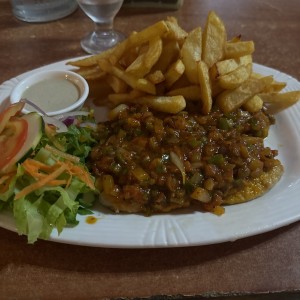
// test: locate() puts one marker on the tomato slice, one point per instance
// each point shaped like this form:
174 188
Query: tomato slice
5 181
9 112
12 138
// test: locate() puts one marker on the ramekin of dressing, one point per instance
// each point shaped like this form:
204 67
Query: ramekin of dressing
54 91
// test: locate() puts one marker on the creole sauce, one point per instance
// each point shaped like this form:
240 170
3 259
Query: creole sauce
214 155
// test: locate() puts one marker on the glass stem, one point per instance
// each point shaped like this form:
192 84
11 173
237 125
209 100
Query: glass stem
104 27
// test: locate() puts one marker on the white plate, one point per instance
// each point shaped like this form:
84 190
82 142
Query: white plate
277 208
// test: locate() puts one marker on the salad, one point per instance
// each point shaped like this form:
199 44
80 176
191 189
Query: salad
43 177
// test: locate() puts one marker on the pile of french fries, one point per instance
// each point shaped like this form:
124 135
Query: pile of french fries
163 67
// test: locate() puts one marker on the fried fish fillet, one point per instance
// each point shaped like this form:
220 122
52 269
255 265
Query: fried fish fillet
256 187
251 190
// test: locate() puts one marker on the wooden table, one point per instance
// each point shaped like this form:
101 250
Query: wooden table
267 263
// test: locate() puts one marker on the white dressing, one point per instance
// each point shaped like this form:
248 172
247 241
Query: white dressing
52 94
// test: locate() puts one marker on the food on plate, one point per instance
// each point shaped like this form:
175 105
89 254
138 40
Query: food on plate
188 120
152 162
43 178
187 123
201 66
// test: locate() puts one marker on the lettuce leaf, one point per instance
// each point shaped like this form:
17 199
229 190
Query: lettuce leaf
54 208
76 141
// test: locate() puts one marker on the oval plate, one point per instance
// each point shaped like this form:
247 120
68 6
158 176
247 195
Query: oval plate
277 208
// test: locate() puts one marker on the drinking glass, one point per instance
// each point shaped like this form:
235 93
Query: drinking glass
42 10
102 12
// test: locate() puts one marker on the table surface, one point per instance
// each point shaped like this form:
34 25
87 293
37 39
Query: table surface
264 263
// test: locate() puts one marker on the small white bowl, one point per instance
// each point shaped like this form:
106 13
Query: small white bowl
81 90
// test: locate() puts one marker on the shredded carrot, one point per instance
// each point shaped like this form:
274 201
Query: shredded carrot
62 154
48 175
37 164
82 175
33 168
80 172
36 185
57 182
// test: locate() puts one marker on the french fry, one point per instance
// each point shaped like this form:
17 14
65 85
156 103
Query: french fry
254 104
170 53
235 78
192 93
191 51
144 62
216 89
118 85
119 98
129 57
276 102
141 84
238 49
174 72
91 60
137 39
230 100
226 66
156 77
275 87
163 66
91 73
256 75
214 38
166 104
175 31
205 87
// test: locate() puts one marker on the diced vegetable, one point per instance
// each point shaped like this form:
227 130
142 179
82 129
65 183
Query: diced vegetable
201 195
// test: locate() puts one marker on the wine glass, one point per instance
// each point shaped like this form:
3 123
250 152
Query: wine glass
102 12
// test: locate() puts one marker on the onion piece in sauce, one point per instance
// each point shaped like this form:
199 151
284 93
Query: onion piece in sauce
179 164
